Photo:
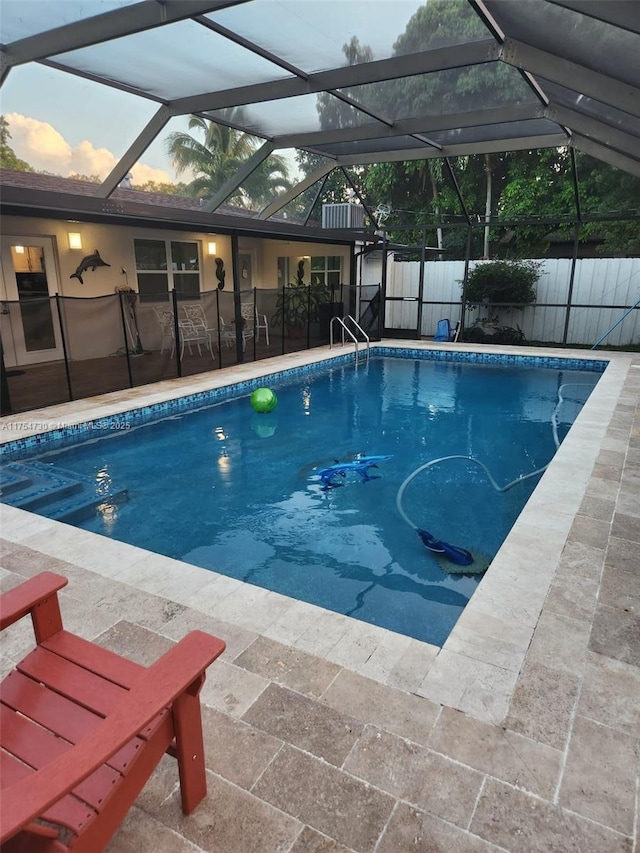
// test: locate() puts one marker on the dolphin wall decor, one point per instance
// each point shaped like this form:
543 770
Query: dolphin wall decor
89 262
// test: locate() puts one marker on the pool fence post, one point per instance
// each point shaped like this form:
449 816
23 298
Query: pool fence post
465 278
309 313
124 335
423 255
282 316
238 318
572 275
255 321
576 242
5 399
219 328
176 330
63 340
383 285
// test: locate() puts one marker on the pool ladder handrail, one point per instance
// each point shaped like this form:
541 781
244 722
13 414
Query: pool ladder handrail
345 328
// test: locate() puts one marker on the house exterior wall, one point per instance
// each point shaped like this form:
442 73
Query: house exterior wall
115 244
92 326
274 249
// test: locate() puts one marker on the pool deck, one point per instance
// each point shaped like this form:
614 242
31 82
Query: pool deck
328 735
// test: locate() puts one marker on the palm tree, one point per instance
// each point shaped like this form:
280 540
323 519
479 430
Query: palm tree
217 158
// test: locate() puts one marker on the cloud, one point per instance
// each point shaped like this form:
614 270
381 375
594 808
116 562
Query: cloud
142 174
44 148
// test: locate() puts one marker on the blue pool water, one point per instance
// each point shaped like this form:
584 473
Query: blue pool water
231 490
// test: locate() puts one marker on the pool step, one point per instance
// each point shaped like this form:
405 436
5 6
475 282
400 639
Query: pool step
54 492
11 481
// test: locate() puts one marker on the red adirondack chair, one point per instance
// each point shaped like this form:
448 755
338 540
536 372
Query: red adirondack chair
82 729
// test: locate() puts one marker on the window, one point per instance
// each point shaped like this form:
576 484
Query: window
323 270
164 265
326 270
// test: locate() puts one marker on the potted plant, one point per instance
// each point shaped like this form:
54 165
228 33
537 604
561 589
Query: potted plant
298 304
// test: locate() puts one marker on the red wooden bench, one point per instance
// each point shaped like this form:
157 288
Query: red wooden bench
82 729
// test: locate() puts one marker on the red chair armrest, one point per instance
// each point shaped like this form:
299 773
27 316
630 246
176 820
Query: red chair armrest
23 599
156 689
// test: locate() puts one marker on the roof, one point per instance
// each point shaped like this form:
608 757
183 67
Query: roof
34 194
354 81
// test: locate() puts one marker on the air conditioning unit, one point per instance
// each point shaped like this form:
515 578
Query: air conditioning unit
346 215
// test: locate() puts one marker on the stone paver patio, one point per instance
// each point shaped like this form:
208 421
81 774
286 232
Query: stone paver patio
324 735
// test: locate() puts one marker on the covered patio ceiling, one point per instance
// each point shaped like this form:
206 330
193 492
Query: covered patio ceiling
354 81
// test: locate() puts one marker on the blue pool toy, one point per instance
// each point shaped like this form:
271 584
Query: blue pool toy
359 466
263 400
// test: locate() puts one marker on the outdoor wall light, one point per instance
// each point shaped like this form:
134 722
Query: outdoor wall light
75 240
211 248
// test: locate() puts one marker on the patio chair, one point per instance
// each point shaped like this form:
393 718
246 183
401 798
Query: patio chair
189 333
83 728
164 316
444 332
227 334
249 317
262 323
195 329
196 314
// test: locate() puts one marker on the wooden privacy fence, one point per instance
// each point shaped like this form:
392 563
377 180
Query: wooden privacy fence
603 289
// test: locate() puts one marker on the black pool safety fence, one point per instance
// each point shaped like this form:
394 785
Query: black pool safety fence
60 348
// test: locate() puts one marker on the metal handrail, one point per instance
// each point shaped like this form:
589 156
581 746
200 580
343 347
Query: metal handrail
346 329
361 330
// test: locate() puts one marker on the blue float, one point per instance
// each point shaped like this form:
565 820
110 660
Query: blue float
359 466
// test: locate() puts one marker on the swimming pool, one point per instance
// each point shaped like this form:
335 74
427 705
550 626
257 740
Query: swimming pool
246 500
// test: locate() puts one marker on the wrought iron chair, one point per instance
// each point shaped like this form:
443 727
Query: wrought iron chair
189 331
164 317
227 334
249 316
194 329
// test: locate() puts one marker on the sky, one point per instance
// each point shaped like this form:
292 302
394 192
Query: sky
64 124
50 133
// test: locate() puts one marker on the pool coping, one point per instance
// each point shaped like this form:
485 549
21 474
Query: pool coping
477 668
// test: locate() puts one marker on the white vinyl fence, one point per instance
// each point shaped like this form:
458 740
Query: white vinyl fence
597 282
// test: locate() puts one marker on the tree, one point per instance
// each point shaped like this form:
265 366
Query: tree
606 190
334 113
508 186
436 24
214 152
178 189
423 188
499 286
90 179
8 157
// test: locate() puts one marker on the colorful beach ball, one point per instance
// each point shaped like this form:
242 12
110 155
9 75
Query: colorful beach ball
263 400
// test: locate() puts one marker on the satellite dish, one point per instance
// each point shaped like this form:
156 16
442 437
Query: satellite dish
381 213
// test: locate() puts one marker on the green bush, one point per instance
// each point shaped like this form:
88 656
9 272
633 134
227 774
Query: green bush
504 283
494 334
